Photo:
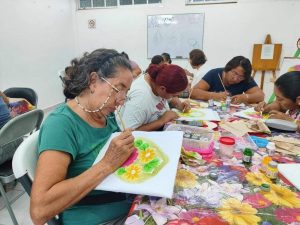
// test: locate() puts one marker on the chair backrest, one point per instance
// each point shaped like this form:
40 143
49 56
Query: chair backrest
25 158
24 165
21 125
22 92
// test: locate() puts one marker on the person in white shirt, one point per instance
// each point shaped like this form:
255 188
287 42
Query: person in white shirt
147 104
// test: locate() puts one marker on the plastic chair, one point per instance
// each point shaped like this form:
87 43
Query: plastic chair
22 92
24 165
13 130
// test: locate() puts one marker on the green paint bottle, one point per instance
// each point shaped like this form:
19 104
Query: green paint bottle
247 156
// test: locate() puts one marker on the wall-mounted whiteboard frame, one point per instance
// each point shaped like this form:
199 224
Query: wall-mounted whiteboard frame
203 2
176 34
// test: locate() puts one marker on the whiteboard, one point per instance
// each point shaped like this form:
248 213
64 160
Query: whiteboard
175 34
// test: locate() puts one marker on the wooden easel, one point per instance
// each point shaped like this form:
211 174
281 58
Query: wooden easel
264 65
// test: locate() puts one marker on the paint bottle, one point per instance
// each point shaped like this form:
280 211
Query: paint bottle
223 106
271 148
247 156
265 188
210 103
272 170
265 162
228 102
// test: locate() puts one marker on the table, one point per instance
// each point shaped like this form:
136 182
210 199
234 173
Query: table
233 197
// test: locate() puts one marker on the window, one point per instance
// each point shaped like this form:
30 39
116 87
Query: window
98 3
140 2
83 4
125 2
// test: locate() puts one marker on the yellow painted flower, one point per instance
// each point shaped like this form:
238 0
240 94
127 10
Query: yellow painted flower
238 213
185 179
132 172
147 155
257 178
280 195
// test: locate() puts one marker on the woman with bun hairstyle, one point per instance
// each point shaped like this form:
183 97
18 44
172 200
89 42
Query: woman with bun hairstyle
72 136
147 105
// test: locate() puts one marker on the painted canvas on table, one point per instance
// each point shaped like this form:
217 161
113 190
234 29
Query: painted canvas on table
198 114
250 114
152 164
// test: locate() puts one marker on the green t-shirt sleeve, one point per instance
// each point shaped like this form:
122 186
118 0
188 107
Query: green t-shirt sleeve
58 133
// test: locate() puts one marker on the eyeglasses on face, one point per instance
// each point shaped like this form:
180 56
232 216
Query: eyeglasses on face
121 95
237 76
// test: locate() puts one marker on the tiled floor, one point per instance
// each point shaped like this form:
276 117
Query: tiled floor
20 208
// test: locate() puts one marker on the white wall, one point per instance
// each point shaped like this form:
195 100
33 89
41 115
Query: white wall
229 30
36 40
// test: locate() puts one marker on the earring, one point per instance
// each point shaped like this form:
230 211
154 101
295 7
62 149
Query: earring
92 92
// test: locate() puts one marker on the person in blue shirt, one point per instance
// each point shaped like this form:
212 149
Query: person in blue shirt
6 151
234 80
4 111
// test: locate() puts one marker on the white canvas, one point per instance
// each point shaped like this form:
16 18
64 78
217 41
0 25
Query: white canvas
162 183
249 114
199 114
291 172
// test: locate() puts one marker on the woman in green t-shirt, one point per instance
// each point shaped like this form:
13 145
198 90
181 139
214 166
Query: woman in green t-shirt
71 138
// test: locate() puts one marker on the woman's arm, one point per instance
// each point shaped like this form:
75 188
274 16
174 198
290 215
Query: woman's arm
5 98
52 193
265 108
183 106
200 91
252 95
159 123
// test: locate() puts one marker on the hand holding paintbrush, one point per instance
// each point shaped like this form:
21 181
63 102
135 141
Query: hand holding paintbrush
226 92
186 104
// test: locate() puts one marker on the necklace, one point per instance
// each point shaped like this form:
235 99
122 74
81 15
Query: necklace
96 110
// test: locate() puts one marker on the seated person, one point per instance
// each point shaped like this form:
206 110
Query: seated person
72 136
287 103
157 60
136 70
6 151
197 59
167 58
147 107
233 80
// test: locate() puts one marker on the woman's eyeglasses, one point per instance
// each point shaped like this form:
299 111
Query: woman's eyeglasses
121 95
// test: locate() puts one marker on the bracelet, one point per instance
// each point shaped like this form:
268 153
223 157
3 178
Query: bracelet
247 96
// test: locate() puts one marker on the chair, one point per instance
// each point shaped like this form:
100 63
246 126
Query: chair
24 165
13 130
22 92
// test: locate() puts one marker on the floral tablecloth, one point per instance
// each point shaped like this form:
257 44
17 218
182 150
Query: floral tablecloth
233 197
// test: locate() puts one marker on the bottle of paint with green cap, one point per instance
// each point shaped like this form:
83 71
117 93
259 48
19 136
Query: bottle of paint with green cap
247 156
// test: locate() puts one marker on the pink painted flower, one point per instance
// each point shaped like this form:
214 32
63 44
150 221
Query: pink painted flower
288 215
257 201
131 158
179 222
192 216
197 217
